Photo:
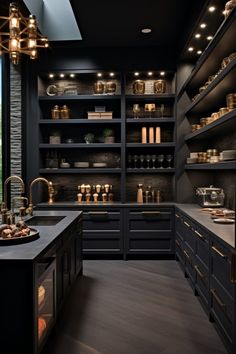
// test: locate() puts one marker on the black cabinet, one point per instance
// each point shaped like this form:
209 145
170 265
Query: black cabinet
149 231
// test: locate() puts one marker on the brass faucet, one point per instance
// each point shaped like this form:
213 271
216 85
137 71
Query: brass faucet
11 178
50 192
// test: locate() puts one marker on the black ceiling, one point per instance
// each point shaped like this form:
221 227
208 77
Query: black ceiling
116 23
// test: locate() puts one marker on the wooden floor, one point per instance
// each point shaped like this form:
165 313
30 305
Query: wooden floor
133 307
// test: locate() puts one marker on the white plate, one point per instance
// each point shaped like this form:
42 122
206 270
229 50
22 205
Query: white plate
99 164
224 221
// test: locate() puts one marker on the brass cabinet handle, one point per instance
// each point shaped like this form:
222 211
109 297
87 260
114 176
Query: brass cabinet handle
177 216
198 272
186 254
216 250
177 243
94 213
185 223
151 212
233 268
199 235
217 298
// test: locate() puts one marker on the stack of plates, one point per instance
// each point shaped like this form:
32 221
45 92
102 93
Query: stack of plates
79 164
228 155
100 164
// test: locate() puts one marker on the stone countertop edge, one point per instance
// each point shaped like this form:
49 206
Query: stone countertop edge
224 232
31 251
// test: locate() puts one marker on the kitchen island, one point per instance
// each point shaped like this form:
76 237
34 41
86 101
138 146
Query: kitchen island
36 277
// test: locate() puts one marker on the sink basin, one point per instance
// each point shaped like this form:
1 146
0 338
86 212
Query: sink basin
44 220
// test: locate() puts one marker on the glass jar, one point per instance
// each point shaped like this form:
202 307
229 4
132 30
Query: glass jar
55 112
65 112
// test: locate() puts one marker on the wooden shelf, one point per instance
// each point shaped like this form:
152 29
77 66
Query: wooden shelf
161 145
214 96
157 97
224 124
91 170
80 121
220 46
224 165
79 97
150 120
150 170
82 145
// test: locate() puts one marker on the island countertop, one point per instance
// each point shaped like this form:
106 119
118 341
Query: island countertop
48 235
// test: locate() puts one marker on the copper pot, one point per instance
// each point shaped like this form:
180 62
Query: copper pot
139 87
159 86
98 87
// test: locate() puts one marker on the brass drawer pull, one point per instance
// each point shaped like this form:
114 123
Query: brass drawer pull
233 268
177 243
187 255
177 216
151 212
198 272
97 213
218 252
218 300
199 235
185 223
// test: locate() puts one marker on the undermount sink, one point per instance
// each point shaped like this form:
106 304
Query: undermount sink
44 220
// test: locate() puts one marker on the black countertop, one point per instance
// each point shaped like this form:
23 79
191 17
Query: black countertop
30 251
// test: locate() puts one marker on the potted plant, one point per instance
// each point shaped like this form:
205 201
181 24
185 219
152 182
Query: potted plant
108 135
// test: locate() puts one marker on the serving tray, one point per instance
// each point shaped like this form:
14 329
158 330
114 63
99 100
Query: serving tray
34 234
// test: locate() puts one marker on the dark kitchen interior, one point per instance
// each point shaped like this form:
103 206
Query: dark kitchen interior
117 173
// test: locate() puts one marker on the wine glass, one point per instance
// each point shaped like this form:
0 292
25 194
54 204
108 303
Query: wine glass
141 160
148 159
136 110
162 108
153 160
129 161
169 159
160 159
135 161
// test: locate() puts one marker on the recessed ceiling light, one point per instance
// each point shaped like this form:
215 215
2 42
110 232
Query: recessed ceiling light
209 38
99 74
146 30
190 49
51 76
199 52
211 8
203 25
197 35
150 73
136 74
111 74
72 75
162 73
62 75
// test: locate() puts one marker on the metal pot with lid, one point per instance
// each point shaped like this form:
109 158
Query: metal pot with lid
210 196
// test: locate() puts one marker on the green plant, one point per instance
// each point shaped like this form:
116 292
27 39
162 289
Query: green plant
107 132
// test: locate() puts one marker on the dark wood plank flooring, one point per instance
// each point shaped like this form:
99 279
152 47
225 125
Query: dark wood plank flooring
133 307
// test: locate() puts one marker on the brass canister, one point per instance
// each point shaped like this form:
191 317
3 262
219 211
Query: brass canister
55 112
65 112
139 87
98 87
159 86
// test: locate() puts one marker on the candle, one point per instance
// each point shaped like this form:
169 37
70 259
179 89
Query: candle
158 135
151 135
144 135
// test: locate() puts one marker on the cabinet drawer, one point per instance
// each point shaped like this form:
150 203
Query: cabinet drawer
179 249
102 242
222 309
150 220
189 264
101 220
221 267
149 244
202 248
202 282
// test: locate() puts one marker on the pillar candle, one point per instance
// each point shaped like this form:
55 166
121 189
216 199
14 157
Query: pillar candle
144 135
151 135
158 135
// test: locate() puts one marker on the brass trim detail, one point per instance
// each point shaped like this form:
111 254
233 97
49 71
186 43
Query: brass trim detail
177 243
187 255
199 235
151 212
233 268
201 275
99 213
217 298
185 223
177 216
216 250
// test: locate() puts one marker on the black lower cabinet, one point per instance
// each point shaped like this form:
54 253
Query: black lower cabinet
149 231
209 265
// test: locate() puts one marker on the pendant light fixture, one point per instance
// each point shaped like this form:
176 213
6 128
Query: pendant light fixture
19 35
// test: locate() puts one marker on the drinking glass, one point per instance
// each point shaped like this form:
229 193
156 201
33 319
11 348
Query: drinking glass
135 161
136 110
142 158
148 159
160 159
153 160
169 159
129 161
162 108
